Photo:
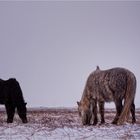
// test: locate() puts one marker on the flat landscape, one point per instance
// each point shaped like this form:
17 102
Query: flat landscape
65 124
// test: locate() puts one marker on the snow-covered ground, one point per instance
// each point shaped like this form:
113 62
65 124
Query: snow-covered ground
57 124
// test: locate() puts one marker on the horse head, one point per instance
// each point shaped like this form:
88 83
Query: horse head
22 111
85 112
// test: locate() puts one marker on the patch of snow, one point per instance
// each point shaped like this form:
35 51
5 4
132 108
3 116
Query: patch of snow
59 125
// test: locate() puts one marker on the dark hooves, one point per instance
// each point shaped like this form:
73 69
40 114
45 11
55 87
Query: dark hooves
94 123
25 121
133 121
9 121
114 122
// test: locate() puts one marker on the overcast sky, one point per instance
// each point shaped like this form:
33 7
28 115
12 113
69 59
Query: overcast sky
52 47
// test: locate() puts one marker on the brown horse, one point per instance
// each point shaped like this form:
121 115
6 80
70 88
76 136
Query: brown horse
117 85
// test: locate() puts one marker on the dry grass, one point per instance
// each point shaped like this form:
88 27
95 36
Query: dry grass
56 118
64 124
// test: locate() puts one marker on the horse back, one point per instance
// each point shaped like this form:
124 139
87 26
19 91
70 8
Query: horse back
10 91
109 85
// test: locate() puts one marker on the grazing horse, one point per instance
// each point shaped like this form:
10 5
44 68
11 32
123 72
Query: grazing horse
11 96
117 85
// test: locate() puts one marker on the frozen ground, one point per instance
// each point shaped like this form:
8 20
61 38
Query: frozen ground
57 124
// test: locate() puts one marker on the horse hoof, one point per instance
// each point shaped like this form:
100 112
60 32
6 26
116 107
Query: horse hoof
114 122
101 123
25 121
94 123
9 121
133 121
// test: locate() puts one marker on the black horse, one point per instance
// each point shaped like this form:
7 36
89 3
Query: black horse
11 96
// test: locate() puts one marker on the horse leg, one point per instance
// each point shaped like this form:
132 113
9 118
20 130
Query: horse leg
133 112
10 109
21 113
101 110
119 107
95 118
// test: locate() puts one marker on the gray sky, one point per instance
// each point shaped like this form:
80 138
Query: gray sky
51 47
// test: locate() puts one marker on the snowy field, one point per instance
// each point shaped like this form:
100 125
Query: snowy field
64 124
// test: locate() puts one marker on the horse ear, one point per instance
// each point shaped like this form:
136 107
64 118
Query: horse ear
78 103
97 68
25 104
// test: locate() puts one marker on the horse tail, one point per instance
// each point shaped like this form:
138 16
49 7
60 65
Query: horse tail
129 98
